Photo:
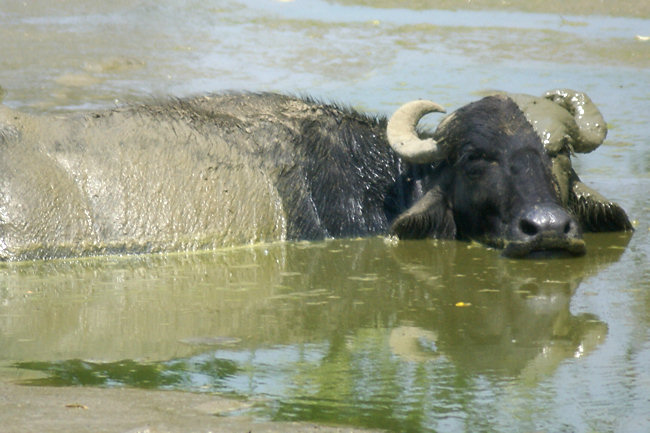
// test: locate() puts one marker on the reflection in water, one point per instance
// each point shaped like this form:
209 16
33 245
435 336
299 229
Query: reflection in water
160 375
408 336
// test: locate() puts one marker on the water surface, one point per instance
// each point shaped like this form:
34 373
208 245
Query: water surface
415 336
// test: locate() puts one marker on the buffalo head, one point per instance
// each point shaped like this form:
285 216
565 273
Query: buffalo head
503 175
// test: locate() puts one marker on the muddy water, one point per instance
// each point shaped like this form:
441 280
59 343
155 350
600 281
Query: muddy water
416 336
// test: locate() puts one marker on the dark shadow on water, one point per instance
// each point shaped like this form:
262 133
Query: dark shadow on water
157 375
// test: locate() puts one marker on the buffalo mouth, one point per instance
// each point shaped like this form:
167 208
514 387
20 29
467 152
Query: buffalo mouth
546 247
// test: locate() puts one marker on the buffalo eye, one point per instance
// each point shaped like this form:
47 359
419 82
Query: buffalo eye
475 164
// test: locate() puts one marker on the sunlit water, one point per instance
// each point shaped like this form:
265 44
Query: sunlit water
415 336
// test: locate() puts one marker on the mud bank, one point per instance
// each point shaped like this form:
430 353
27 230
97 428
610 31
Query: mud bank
76 409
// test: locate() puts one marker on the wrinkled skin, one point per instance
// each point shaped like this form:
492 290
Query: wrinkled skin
229 169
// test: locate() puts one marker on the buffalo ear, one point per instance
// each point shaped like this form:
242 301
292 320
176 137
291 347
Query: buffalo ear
429 217
595 212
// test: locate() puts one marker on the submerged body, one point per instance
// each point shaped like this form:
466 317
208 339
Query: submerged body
188 174
230 169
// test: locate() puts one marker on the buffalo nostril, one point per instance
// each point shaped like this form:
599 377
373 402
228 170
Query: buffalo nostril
547 220
544 227
529 228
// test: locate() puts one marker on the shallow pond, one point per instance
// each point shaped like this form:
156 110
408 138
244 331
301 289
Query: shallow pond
410 336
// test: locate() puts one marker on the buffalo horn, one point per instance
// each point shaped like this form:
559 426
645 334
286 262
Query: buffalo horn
403 138
592 128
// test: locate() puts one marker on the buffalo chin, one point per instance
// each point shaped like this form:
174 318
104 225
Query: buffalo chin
545 247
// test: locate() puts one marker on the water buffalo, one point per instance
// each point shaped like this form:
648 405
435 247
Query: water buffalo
228 169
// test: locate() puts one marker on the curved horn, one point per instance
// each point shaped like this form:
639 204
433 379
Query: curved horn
403 138
592 128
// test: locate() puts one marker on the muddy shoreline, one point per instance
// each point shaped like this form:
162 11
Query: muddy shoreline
81 409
